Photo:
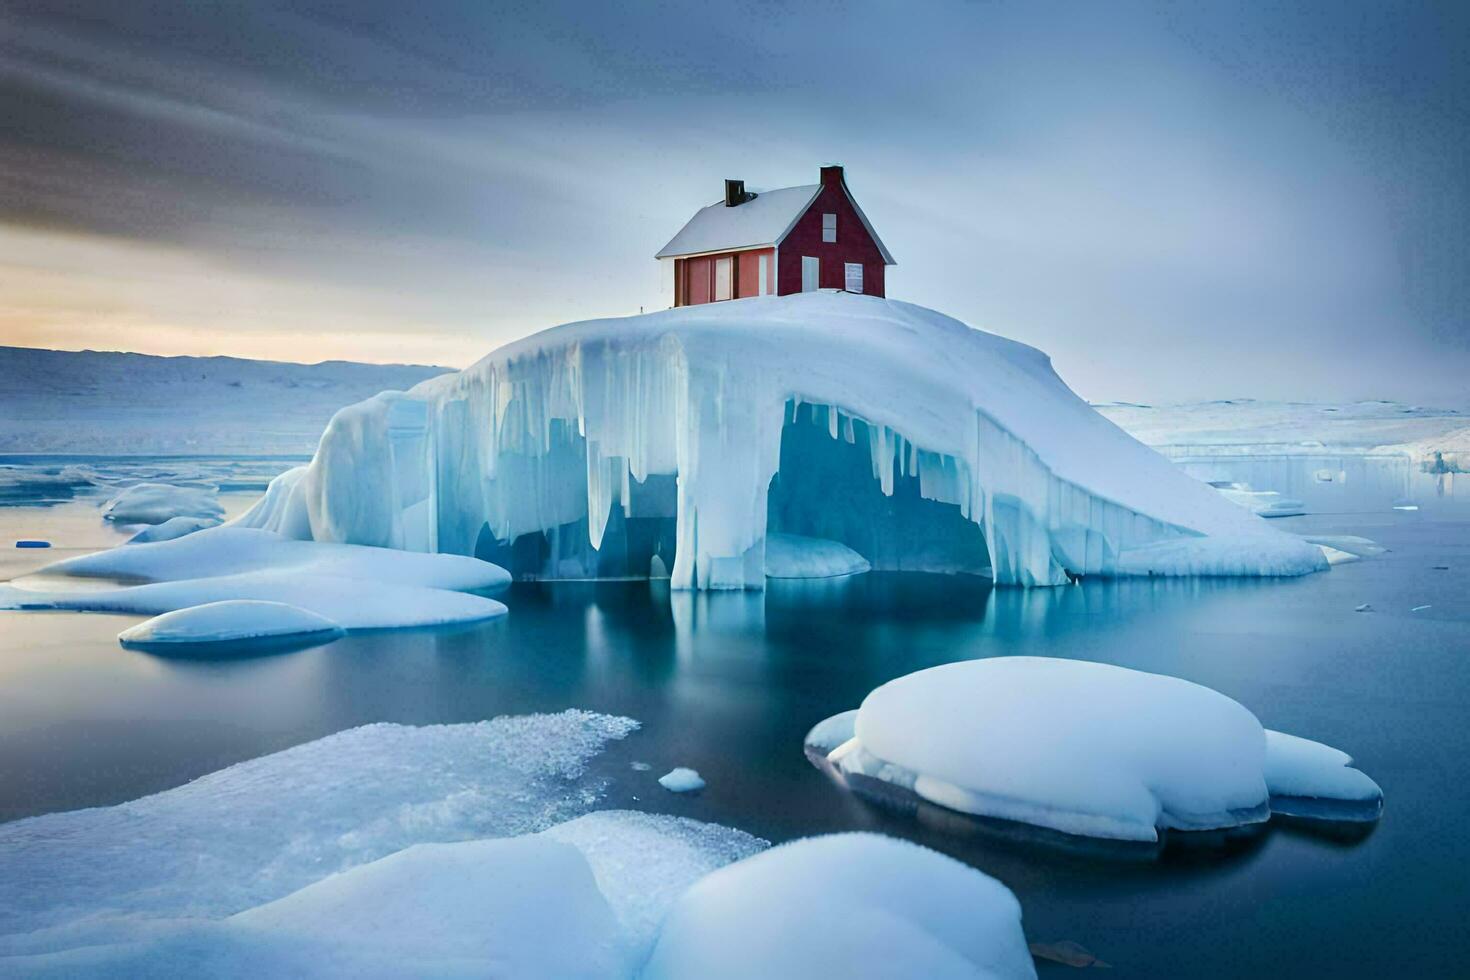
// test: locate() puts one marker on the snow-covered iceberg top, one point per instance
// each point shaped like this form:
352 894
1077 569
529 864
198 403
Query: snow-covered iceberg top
686 435
1083 748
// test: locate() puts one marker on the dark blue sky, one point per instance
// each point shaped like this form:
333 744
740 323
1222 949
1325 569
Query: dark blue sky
1175 200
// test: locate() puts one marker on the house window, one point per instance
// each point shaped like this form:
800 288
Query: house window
854 271
762 275
829 227
810 270
724 276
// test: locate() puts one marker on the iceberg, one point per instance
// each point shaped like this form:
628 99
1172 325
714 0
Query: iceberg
682 439
234 623
845 905
155 503
1083 748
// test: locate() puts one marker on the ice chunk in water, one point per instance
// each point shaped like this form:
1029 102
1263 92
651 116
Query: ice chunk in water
681 780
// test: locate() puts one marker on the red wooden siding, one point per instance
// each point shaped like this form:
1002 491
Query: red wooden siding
694 279
853 244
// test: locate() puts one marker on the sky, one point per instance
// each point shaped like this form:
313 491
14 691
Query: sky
1175 200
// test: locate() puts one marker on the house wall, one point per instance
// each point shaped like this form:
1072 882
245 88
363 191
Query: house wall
694 278
853 244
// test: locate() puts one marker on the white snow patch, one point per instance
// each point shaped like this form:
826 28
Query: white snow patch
1083 748
230 622
848 905
681 780
155 503
575 431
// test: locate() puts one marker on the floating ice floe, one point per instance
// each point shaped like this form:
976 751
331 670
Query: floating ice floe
681 780
353 586
154 503
1262 503
1346 544
797 556
1082 748
458 850
849 905
683 439
260 830
174 527
235 623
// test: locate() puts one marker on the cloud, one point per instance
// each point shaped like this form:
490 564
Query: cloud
1169 200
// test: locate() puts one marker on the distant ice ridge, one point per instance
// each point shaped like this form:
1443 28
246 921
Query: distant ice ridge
681 438
1086 749
1438 439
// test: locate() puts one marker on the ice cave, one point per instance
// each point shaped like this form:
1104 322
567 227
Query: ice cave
674 443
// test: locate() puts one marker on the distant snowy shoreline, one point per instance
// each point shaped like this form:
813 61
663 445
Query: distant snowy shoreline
1437 439
110 403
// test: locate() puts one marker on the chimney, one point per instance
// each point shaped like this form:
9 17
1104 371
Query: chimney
734 193
832 175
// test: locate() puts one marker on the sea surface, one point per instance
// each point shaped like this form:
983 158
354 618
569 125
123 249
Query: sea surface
729 683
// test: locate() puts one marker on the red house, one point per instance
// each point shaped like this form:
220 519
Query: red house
792 240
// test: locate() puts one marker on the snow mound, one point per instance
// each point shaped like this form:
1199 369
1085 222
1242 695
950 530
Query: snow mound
797 556
848 905
681 780
355 587
1083 748
260 830
174 527
239 621
901 433
155 503
523 907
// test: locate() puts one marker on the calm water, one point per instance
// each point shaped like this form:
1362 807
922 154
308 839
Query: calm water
728 684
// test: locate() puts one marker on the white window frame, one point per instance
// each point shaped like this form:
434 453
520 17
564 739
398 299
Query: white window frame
724 267
762 275
811 273
829 227
852 276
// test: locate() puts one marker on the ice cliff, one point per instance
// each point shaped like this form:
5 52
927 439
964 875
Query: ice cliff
594 448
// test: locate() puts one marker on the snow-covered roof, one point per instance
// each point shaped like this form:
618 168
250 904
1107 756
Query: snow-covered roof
763 220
